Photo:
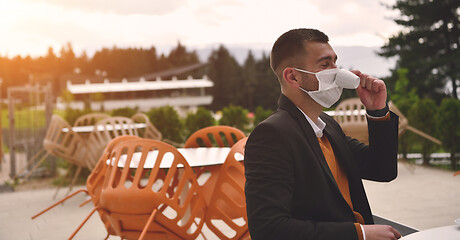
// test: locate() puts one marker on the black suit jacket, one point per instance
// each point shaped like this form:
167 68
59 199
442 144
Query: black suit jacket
290 190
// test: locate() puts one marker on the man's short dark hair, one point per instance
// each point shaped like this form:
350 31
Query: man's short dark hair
291 45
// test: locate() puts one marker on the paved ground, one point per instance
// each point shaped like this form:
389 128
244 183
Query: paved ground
422 198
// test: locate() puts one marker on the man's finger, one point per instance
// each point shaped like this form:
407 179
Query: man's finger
363 79
396 233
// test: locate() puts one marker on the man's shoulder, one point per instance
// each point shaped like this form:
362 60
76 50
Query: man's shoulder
278 118
278 123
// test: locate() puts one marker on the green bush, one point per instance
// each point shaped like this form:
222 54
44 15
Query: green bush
261 114
235 116
167 120
124 112
200 119
72 114
422 115
448 128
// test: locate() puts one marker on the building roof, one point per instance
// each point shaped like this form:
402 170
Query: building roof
141 85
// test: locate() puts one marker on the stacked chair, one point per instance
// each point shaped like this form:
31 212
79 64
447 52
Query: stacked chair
104 131
161 199
213 136
142 203
150 131
90 119
139 203
94 185
61 141
226 216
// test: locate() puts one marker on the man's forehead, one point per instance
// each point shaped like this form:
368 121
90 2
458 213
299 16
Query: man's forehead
318 51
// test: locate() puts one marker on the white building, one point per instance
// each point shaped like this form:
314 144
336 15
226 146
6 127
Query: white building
145 93
184 95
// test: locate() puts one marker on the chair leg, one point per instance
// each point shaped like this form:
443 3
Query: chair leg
30 161
83 223
60 185
59 202
151 219
77 172
35 166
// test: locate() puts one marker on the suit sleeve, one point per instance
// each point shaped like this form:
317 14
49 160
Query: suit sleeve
378 161
269 193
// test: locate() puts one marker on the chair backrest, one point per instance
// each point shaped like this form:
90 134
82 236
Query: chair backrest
90 119
150 130
403 122
226 216
353 123
349 111
61 141
219 136
104 131
96 178
131 194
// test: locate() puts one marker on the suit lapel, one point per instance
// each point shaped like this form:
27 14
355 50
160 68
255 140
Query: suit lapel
310 135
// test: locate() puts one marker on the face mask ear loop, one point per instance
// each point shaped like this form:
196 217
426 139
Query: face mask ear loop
304 71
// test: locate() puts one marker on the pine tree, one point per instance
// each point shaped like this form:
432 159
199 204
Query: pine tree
428 46
225 72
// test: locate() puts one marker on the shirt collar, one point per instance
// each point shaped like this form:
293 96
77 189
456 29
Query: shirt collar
318 127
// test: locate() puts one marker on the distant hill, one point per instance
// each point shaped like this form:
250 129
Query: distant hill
364 59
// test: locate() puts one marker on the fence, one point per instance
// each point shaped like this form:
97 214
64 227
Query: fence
29 113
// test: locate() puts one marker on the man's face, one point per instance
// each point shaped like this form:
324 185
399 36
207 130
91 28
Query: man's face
320 56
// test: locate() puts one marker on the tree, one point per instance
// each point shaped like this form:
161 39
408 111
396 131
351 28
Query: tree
249 79
181 57
266 88
428 46
449 130
422 115
225 73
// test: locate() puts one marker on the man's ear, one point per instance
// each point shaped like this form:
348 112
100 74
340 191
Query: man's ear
289 77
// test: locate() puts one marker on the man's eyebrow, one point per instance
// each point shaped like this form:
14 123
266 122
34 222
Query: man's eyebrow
327 58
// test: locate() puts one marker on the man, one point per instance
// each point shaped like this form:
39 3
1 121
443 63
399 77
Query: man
303 175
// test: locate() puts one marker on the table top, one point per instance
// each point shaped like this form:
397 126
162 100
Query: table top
196 157
441 233
90 128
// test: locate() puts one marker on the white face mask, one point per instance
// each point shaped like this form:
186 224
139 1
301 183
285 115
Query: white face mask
331 83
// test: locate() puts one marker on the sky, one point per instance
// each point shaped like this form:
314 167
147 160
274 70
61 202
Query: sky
30 27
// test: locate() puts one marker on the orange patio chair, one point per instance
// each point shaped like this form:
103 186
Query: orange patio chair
457 173
142 203
104 131
94 187
226 216
213 136
90 119
150 130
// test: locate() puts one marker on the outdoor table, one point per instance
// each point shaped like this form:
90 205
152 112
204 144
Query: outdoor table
90 128
196 157
442 233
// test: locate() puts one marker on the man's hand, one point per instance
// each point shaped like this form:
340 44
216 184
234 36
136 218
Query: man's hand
380 232
372 91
